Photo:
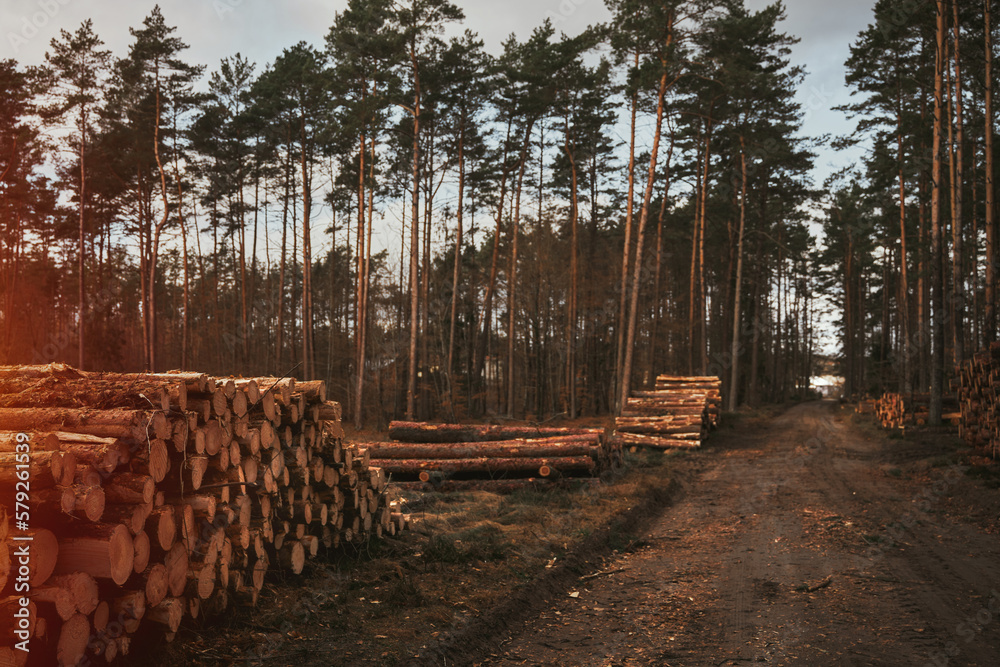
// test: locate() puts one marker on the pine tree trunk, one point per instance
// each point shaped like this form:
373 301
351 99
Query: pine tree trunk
990 328
411 387
82 248
957 235
627 250
479 362
457 269
571 305
308 354
702 314
512 271
185 324
154 246
735 350
696 331
358 289
640 235
937 284
906 344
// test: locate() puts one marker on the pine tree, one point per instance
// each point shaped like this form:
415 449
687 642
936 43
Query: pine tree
78 70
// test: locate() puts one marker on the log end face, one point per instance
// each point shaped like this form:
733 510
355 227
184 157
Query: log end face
121 553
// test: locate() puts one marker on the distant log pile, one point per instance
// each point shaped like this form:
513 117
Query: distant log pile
866 406
678 414
978 385
160 497
897 411
497 458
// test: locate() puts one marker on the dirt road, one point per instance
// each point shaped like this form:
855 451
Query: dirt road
803 542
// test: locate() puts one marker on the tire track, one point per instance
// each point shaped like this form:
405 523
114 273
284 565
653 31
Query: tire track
785 550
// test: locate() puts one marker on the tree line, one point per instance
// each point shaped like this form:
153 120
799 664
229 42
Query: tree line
575 214
912 239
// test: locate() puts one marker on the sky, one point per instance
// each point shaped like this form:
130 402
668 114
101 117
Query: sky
260 29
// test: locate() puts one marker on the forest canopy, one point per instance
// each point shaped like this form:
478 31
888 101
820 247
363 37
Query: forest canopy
573 214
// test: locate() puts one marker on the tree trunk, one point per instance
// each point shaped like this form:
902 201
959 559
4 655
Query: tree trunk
640 234
571 304
185 325
937 284
82 248
990 327
627 250
735 351
154 246
957 235
457 269
423 432
411 387
512 271
906 345
308 353
536 448
279 347
486 465
701 296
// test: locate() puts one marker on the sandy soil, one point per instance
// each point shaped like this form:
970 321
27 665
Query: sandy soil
806 541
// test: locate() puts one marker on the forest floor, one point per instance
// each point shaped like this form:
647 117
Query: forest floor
806 537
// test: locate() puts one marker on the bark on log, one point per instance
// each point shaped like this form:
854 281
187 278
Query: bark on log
585 445
658 442
82 588
420 432
104 551
485 465
73 639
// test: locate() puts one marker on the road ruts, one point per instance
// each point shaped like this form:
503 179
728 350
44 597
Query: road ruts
792 546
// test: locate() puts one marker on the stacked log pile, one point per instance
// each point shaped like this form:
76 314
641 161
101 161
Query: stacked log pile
160 497
897 411
498 458
678 414
866 406
978 385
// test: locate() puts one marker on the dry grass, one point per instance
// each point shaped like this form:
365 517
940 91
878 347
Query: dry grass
465 553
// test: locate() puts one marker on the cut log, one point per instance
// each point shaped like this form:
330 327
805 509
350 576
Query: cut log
176 562
162 528
418 432
485 465
128 608
127 487
132 424
579 445
58 597
101 550
658 442
82 588
157 583
140 551
43 549
73 639
132 515
102 614
292 556
490 485
44 469
169 613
